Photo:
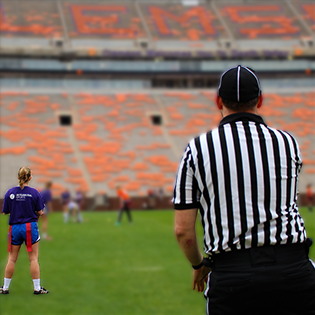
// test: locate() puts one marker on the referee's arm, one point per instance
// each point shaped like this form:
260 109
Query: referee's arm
185 221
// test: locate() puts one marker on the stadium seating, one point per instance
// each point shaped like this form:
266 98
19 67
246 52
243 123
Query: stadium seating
110 20
29 18
253 21
177 22
128 27
113 139
136 138
32 136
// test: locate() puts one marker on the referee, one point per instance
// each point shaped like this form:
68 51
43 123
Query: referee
242 176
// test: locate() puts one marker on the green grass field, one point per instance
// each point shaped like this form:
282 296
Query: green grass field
99 268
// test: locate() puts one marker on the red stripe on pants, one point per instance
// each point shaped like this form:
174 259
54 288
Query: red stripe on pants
10 238
28 237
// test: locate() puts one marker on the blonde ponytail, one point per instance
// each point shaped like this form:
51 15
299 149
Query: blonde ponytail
24 175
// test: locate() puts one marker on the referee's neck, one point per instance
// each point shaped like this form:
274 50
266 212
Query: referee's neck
226 111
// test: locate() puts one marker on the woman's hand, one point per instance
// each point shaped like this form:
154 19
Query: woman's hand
40 213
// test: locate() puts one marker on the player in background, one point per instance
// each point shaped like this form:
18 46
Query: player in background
74 211
25 205
151 199
65 199
47 199
70 207
309 197
76 205
79 200
124 204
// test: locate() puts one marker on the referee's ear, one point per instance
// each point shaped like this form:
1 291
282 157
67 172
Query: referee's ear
260 101
219 102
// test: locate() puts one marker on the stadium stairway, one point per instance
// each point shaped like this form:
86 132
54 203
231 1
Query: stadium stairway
168 139
77 152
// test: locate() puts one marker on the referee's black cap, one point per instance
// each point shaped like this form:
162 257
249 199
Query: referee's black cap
239 84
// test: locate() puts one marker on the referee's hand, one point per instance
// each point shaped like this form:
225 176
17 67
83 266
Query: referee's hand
200 277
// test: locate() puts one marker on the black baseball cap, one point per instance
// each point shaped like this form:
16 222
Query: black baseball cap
239 84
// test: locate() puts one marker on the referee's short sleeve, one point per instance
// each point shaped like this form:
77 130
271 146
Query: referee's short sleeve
186 193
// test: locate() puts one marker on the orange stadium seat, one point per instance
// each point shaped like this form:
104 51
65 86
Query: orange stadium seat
130 154
308 162
99 178
133 186
267 20
12 106
121 178
14 150
140 167
74 172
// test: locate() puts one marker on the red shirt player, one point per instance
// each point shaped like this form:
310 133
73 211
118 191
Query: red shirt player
124 204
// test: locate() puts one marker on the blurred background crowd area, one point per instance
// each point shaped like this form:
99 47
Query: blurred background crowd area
95 94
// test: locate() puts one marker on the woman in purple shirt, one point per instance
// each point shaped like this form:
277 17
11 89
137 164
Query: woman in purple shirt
25 205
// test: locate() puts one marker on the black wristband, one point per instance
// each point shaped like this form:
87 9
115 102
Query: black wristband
198 266
207 262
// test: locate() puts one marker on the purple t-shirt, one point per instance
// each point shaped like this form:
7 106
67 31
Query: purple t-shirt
65 196
22 204
46 195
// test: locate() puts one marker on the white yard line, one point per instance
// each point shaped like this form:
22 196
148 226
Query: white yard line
148 269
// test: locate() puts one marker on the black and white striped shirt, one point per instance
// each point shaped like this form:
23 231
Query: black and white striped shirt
242 176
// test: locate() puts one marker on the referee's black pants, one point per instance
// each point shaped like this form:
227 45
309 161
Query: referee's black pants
277 280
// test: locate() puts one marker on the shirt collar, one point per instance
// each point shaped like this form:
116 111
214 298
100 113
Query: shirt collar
242 117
